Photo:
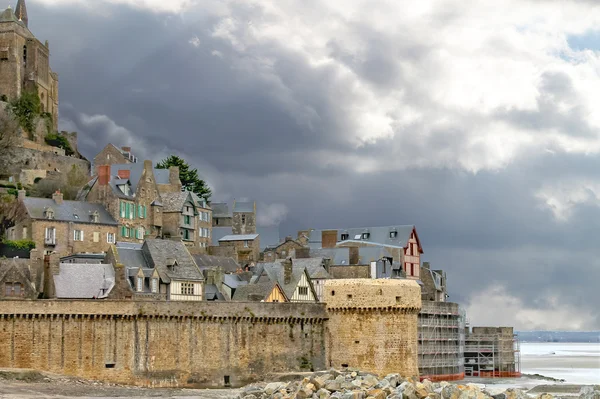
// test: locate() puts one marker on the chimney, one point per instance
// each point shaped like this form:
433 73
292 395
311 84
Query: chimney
126 149
288 238
174 176
58 197
21 194
287 271
426 265
103 172
302 253
353 255
124 174
327 263
328 238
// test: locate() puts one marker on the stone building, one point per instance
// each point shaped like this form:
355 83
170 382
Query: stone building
130 193
267 291
370 344
244 249
282 251
401 241
25 61
187 216
111 155
21 278
293 279
434 284
62 227
157 270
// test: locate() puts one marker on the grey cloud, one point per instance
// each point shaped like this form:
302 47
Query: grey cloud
137 72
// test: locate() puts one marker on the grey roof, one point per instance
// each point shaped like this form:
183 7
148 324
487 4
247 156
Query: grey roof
84 281
239 237
339 256
8 16
276 272
254 292
68 211
269 235
201 202
157 252
244 206
233 280
229 265
378 235
135 173
220 209
366 255
314 266
211 293
130 245
174 202
133 258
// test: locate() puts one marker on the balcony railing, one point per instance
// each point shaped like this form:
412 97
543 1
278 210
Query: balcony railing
50 241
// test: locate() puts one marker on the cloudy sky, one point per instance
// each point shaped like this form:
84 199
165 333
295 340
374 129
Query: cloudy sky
473 120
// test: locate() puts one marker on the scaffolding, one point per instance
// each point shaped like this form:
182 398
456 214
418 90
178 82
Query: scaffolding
492 352
441 340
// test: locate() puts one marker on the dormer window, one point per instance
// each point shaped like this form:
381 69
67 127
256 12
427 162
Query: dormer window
172 264
393 234
125 189
75 216
365 236
345 236
49 213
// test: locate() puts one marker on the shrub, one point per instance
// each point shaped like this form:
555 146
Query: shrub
26 245
57 140
26 109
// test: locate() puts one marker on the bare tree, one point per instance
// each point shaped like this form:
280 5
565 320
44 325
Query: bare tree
10 132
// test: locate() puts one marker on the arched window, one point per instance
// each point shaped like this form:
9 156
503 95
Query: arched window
25 55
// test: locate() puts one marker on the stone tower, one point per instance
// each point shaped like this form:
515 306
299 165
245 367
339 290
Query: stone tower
373 325
25 61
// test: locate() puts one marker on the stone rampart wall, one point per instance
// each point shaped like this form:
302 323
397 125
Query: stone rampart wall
24 158
163 344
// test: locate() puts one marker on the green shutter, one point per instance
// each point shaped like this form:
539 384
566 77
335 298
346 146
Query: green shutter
122 231
140 213
134 211
144 212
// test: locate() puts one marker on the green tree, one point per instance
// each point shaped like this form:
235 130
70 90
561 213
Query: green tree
27 109
188 176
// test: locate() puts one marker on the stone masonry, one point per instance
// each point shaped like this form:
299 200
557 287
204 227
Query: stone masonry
373 325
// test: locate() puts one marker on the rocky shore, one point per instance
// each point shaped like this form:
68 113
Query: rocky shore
360 385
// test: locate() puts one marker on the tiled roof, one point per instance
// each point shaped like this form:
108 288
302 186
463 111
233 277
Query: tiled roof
158 251
174 202
84 281
377 235
229 265
239 237
68 211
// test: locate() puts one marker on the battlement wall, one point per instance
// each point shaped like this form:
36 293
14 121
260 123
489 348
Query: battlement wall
206 344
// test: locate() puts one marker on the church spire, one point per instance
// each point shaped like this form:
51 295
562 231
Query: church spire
21 12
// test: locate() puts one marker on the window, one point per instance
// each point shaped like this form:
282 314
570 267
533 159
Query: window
13 289
24 233
303 291
208 233
345 237
49 213
141 212
186 234
110 238
50 236
243 219
393 234
96 236
186 219
4 53
155 285
246 244
76 217
95 217
123 207
140 232
187 289
131 211
125 232
140 284
365 236
25 55
78 235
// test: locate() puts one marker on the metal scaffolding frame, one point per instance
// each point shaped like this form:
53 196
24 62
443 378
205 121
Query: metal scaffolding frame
492 354
441 340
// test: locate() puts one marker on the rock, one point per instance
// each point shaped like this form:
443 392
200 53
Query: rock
370 381
377 394
421 391
434 395
249 397
499 396
333 386
273 387
450 392
393 379
589 392
354 395
353 374
252 390
428 386
323 394
319 381
383 384
545 396
513 393
304 393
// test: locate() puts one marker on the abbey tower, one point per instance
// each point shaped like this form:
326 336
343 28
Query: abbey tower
25 61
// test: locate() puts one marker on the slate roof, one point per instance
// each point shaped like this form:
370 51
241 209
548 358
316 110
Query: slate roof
68 211
173 202
229 265
239 237
157 252
314 266
378 235
220 209
251 292
243 206
211 293
366 255
233 280
269 236
8 16
276 272
84 281
339 256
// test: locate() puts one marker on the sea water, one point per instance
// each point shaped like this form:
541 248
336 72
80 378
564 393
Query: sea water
576 363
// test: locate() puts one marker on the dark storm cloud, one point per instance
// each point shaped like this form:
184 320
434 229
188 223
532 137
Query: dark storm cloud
163 83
